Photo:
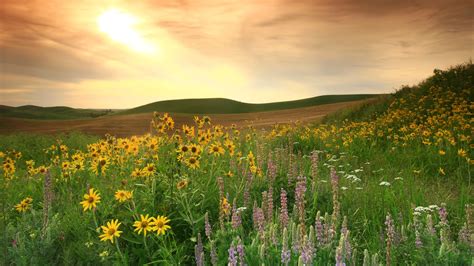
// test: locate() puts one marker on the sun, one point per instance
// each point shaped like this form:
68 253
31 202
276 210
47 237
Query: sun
119 27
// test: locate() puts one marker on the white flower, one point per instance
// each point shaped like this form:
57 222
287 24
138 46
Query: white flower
358 188
416 213
398 178
344 188
358 170
384 183
433 207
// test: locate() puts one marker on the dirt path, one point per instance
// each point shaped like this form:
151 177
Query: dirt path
127 125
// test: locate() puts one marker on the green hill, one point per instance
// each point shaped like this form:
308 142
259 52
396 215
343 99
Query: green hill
227 106
51 113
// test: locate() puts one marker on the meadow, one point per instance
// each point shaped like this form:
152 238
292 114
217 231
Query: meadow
386 183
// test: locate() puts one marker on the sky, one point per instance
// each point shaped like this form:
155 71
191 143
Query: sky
122 54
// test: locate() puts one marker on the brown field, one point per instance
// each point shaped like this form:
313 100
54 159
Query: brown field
137 124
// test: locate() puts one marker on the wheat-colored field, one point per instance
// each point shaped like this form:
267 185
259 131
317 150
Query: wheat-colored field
136 124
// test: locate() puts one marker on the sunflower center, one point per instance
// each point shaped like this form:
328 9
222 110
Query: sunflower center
90 199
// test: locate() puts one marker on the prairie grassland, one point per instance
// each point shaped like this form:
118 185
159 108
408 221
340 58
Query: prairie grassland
384 184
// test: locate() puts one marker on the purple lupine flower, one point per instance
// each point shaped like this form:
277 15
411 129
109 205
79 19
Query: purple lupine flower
270 204
284 209
285 252
241 252
207 226
300 190
220 183
259 220
418 242
272 170
443 215
264 202
236 219
335 201
199 252
390 230
318 226
307 251
232 259
347 246
314 169
443 224
344 226
213 255
340 252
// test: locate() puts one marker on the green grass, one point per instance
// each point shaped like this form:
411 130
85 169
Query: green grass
50 113
411 167
227 106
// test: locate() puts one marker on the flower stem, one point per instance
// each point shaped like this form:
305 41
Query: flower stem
120 253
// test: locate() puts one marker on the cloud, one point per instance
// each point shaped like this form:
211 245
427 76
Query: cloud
256 51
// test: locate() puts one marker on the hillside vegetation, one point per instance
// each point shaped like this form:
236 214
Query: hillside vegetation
389 184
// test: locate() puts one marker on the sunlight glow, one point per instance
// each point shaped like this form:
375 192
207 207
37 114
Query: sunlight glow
119 26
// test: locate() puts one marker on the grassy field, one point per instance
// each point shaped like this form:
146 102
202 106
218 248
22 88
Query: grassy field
383 184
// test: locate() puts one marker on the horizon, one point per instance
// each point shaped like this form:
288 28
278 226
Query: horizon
118 54
184 99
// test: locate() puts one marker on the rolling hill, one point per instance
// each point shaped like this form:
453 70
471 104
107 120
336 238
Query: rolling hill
227 106
50 113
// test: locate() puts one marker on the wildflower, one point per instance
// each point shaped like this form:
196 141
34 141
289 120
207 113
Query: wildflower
144 224
232 259
390 230
207 226
90 200
441 171
285 251
284 209
241 251
182 184
24 205
442 152
104 254
236 219
149 170
384 183
199 251
216 149
192 162
160 224
462 152
299 195
123 195
225 206
110 231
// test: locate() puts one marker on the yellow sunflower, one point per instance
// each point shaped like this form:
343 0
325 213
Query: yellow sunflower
216 149
145 224
182 184
160 224
192 162
110 231
90 200
123 195
24 205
